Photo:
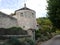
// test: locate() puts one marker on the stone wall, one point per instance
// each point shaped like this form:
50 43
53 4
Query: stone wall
26 19
7 21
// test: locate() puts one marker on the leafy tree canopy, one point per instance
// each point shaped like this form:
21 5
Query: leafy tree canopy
45 29
54 12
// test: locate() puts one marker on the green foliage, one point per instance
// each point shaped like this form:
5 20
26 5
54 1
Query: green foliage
12 31
15 41
45 30
31 42
43 35
15 28
54 12
44 23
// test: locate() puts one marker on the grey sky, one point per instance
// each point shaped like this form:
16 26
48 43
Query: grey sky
9 6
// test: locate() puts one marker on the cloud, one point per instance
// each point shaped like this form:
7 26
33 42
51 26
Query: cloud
39 6
7 11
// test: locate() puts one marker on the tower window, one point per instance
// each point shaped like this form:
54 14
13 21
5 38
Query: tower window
32 13
23 26
21 14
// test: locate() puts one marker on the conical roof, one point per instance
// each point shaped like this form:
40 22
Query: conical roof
24 8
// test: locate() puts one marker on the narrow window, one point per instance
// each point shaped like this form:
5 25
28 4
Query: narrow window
32 14
23 26
21 14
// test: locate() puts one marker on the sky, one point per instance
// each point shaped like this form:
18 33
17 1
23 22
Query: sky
9 6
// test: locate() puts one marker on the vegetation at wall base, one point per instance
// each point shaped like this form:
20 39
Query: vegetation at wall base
12 31
15 41
46 30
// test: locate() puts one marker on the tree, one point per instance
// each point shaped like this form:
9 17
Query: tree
54 12
13 41
45 29
16 41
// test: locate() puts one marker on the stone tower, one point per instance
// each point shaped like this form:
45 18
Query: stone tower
26 19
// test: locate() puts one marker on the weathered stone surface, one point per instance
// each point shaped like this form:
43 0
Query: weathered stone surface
25 18
7 21
54 41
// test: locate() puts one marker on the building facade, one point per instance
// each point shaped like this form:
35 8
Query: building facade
25 18
7 21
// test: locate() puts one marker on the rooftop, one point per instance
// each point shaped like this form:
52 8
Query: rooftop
24 8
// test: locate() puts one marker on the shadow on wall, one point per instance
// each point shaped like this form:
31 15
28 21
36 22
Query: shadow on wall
13 31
